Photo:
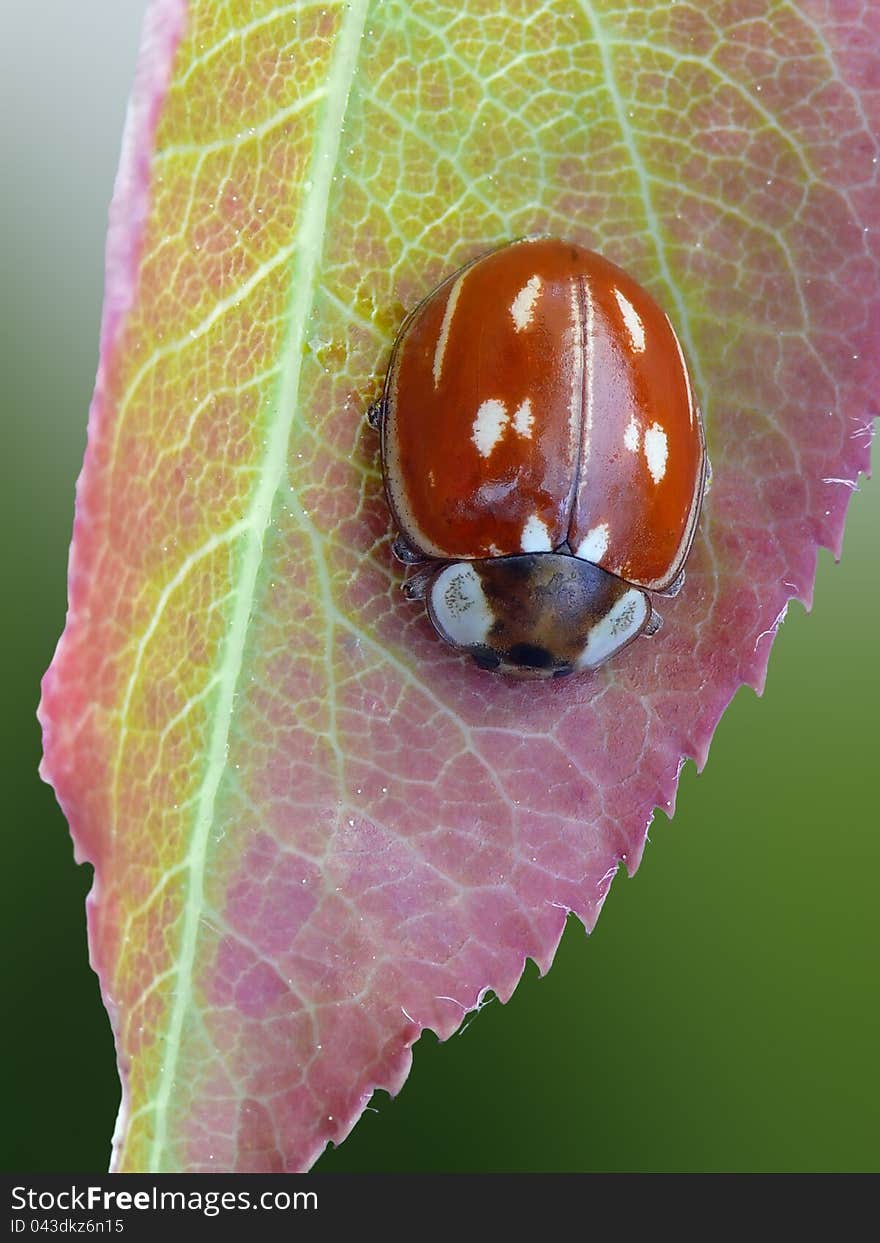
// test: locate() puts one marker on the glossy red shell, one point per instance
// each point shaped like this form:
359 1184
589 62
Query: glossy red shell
538 396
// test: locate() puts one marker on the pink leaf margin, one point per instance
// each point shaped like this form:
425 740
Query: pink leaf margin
163 27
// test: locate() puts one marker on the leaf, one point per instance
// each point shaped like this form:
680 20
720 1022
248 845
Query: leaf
314 832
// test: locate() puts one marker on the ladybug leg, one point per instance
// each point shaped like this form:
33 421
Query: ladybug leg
674 587
416 586
655 621
375 413
404 551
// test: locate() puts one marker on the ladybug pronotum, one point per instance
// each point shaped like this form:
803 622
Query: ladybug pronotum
543 456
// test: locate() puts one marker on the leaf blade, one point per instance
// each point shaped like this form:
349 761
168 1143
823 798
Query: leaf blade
440 787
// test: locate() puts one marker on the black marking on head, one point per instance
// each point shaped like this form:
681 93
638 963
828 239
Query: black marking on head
485 658
530 655
499 573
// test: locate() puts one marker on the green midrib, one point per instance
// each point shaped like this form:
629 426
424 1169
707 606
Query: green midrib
307 253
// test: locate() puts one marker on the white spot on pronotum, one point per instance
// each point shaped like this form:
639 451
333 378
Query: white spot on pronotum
632 435
632 321
594 545
458 605
523 419
656 451
619 625
489 425
522 308
442 339
535 536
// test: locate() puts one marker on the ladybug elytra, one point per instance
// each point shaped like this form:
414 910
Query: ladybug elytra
543 456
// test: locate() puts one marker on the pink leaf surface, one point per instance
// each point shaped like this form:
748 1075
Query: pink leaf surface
316 833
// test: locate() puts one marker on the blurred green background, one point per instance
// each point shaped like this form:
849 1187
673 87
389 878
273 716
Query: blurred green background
724 1015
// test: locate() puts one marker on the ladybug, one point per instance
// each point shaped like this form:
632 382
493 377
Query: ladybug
543 456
